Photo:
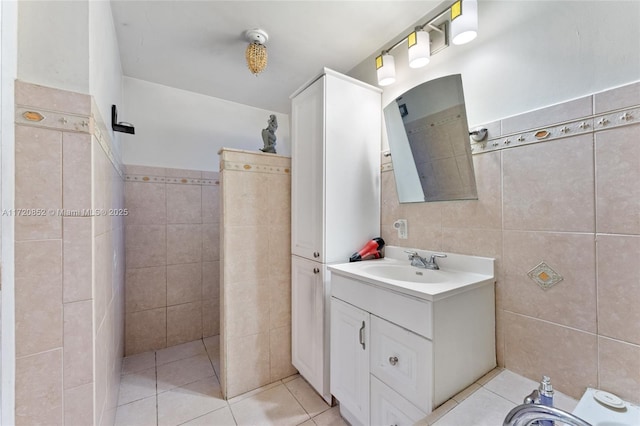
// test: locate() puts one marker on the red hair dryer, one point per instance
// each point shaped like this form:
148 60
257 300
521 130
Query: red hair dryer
372 250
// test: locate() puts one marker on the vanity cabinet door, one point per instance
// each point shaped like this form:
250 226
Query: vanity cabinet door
307 321
389 408
307 173
350 360
402 360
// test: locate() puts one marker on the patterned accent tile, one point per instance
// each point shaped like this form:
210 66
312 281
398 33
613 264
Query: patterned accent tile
544 276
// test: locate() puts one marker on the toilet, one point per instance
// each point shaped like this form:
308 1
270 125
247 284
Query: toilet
602 408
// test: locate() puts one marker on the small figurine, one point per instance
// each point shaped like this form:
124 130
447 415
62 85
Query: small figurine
269 135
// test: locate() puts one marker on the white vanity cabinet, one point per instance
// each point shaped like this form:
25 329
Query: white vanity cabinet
350 358
395 357
308 320
335 203
335 167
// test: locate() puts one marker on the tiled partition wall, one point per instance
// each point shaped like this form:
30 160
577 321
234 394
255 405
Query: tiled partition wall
255 334
172 252
570 199
69 283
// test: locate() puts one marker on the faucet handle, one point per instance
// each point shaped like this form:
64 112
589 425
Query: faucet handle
532 398
411 253
434 255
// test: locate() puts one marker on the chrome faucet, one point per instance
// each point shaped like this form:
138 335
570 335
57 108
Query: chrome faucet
530 414
421 262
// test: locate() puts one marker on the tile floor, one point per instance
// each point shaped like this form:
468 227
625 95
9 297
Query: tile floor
487 401
179 386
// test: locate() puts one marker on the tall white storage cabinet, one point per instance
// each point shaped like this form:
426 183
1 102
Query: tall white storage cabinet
335 206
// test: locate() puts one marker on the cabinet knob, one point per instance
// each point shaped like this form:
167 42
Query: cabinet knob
316 254
316 270
393 360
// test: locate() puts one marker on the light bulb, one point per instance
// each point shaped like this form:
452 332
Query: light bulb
419 49
386 69
464 27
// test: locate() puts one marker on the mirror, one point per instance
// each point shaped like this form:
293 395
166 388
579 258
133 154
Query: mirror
429 142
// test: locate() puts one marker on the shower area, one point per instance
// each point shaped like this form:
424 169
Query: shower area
207 257
172 257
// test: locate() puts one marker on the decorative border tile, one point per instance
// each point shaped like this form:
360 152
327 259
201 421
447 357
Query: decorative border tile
386 167
594 123
54 119
102 136
255 168
67 122
172 180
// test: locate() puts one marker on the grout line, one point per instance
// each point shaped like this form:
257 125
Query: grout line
231 411
166 262
501 275
155 363
551 323
297 400
215 373
596 250
501 396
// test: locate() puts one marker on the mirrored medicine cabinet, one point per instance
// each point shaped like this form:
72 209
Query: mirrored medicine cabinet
429 143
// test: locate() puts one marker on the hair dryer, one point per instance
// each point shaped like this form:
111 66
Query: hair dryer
371 250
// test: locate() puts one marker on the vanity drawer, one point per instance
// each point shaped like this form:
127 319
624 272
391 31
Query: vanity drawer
402 360
389 408
406 311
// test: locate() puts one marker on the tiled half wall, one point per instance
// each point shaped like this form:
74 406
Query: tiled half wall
558 185
172 257
69 260
255 336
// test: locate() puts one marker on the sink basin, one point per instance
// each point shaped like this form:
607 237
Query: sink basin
457 273
406 273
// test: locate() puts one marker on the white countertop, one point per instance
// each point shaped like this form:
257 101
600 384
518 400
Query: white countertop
463 273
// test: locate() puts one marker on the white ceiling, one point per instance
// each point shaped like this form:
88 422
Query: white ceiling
199 45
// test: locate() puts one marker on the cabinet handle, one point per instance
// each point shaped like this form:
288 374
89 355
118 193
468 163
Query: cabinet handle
316 254
362 336
393 360
316 270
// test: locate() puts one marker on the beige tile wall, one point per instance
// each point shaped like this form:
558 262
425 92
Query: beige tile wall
108 284
69 262
172 257
255 332
572 202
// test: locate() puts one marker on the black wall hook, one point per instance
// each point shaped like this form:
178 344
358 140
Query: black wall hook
120 127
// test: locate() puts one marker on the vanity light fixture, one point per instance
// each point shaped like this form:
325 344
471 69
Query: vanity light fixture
419 43
459 21
386 69
256 53
464 21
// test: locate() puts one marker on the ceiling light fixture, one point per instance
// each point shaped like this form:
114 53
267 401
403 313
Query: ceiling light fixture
256 53
459 21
